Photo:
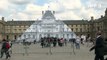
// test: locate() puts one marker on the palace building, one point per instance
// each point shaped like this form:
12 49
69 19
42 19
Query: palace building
12 30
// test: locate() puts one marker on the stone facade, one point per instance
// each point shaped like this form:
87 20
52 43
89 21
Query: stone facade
99 25
13 29
2 28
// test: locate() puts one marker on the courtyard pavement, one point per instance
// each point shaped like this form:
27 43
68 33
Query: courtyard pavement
36 52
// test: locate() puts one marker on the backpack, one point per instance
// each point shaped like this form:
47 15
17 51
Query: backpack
5 45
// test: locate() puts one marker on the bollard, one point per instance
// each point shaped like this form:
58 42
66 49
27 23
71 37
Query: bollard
72 46
50 49
26 50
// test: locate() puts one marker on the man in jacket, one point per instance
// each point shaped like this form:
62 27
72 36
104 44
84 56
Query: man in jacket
99 47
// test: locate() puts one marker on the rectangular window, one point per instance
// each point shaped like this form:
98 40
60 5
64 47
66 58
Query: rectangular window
19 29
24 29
80 25
76 25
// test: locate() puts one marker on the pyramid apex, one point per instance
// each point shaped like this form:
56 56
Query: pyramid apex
48 14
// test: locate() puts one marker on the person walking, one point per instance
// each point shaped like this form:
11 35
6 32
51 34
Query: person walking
78 42
88 41
99 47
4 49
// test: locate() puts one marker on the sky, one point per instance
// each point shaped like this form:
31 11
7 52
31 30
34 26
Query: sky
64 9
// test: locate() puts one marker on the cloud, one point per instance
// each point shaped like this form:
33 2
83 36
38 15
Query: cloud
65 9
30 12
95 8
70 4
67 16
3 6
20 2
33 8
22 16
19 16
96 4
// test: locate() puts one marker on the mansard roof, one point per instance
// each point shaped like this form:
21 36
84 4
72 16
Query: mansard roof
101 19
48 15
76 22
18 23
68 22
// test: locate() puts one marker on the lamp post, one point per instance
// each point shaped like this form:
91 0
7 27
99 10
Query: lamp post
92 27
11 30
85 28
105 28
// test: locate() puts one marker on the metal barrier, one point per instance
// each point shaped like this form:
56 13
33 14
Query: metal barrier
37 49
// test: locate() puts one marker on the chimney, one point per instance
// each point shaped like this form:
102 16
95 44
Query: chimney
92 18
106 12
101 16
12 20
2 18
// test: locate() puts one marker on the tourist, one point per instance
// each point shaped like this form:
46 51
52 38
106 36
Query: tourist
99 47
5 49
88 41
10 49
61 42
42 42
77 42
54 42
65 42
34 41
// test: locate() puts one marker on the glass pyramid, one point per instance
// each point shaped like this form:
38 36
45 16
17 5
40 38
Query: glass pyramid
48 26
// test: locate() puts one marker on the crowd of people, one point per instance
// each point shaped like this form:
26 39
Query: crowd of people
48 41
54 41
98 44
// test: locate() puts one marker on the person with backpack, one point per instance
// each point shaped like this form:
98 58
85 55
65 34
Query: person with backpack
4 49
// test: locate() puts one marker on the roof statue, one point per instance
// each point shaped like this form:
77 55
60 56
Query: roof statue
106 12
